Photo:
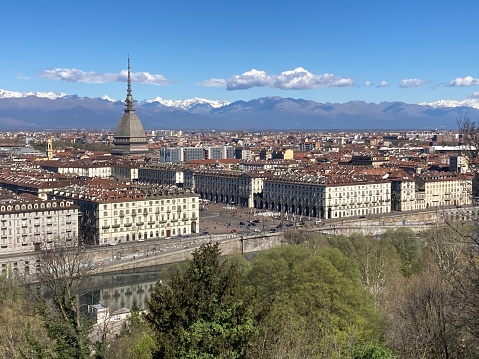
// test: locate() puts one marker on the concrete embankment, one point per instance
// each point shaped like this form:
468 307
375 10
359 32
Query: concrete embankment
228 246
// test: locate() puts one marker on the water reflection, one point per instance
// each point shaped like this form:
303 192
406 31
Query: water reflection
123 289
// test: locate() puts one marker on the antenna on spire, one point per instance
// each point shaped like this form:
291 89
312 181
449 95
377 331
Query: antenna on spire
129 97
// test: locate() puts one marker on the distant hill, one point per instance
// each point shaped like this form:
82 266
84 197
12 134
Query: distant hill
38 112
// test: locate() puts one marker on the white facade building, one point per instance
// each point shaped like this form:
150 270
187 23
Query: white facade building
34 225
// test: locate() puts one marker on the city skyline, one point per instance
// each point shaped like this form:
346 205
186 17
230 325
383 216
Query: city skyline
325 52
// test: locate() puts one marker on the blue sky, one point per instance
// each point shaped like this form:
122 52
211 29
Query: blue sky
326 51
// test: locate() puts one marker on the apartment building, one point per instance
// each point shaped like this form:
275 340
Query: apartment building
83 168
322 197
122 214
442 189
231 187
185 154
28 224
163 174
403 191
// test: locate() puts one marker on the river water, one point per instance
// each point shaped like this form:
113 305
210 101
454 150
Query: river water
121 289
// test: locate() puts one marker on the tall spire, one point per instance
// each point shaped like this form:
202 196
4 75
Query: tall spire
129 98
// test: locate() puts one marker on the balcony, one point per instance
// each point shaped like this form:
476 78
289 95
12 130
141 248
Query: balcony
133 213
127 224
140 223
116 226
122 215
105 227
151 222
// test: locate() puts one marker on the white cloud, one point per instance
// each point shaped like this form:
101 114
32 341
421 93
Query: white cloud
297 79
474 95
368 83
383 84
464 81
22 77
213 83
75 75
408 83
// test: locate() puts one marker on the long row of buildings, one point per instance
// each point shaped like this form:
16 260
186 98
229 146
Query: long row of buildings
337 194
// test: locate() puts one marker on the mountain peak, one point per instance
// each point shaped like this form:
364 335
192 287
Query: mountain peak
188 103
13 94
470 102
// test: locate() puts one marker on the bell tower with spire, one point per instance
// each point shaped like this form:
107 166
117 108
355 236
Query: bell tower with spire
129 137
49 147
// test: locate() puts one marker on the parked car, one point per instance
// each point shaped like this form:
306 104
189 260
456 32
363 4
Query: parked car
241 223
272 230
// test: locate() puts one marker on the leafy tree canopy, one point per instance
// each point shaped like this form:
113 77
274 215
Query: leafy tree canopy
203 312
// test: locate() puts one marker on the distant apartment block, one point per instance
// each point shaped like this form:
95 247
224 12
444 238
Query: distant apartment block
185 154
80 168
230 187
164 174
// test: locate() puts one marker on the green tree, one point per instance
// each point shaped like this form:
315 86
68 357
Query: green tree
372 351
408 247
136 340
203 312
319 298
342 243
19 322
378 262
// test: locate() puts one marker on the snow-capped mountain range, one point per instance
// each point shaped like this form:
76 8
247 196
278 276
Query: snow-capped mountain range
54 111
472 101
13 94
181 104
189 103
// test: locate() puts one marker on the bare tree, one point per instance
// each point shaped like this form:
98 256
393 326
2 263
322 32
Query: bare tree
64 268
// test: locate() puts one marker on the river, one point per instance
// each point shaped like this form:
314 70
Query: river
122 289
